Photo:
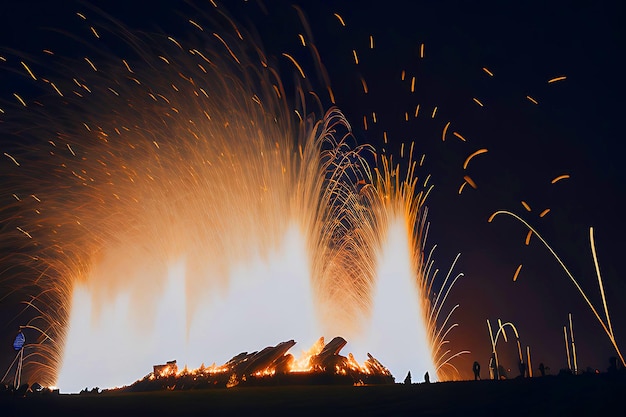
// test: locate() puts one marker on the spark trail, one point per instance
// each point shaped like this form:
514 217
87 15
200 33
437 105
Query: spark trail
168 202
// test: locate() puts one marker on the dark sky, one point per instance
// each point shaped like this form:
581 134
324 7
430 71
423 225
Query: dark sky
576 129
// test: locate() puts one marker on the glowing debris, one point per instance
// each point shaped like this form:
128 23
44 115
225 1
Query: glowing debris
292 59
519 268
12 159
28 69
472 155
91 64
470 181
543 213
445 130
25 232
196 25
340 19
555 79
532 100
458 135
364 84
526 206
20 99
528 236
488 72
477 102
559 178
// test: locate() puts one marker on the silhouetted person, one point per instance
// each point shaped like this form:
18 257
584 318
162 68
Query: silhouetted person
493 371
522 368
502 372
476 369
407 380
542 369
427 378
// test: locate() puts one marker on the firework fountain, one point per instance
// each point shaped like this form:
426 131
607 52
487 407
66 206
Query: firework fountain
167 201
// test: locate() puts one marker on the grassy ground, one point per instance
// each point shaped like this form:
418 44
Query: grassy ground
583 395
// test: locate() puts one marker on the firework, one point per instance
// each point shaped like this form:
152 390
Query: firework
172 199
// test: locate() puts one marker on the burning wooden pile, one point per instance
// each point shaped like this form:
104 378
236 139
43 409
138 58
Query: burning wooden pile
274 365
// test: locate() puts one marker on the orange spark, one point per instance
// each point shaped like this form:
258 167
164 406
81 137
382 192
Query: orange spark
469 158
470 181
559 178
555 79
340 19
445 130
532 100
519 268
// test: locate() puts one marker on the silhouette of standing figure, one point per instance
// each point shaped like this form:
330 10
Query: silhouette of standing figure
522 368
407 380
427 378
476 369
542 369
493 371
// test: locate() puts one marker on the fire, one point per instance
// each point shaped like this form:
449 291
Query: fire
322 360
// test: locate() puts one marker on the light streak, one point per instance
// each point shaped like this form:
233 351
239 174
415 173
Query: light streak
472 155
532 100
555 79
519 268
559 178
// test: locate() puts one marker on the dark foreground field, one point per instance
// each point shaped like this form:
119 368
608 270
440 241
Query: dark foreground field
584 395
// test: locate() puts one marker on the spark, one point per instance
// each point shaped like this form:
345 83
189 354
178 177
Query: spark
29 71
12 159
458 135
356 58
555 79
528 236
559 178
25 232
519 268
470 181
532 100
20 99
445 130
196 25
340 19
488 72
292 59
469 158
91 64
477 102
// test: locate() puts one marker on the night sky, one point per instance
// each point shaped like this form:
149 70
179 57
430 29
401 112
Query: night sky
576 129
